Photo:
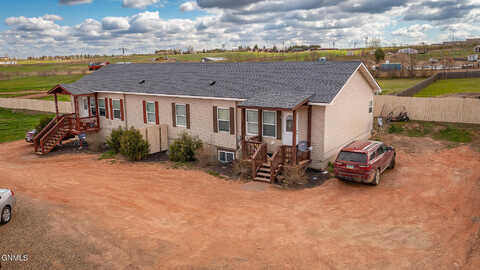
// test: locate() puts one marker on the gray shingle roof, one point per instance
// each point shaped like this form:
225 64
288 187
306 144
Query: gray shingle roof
274 85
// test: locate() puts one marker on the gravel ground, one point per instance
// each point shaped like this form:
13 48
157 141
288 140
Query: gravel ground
77 212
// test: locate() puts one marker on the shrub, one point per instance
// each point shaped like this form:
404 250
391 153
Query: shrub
133 146
183 148
454 135
242 168
43 123
293 175
395 129
113 141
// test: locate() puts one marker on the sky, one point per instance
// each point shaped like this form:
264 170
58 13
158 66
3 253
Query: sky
66 27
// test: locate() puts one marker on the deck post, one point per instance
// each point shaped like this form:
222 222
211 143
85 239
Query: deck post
77 121
260 125
96 110
309 131
244 145
294 138
56 104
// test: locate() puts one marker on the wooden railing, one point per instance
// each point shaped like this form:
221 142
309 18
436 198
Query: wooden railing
251 146
51 132
292 156
259 158
276 164
36 139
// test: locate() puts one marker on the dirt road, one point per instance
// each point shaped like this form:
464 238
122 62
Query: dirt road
76 212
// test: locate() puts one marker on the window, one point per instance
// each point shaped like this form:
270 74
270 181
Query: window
85 104
252 122
101 107
370 106
289 123
223 119
225 156
116 109
269 124
352 157
151 114
93 108
380 151
181 115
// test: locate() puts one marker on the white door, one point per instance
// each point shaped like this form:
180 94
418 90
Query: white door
287 128
83 107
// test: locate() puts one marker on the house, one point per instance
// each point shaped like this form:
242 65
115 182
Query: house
390 66
284 112
472 58
408 51
213 59
477 49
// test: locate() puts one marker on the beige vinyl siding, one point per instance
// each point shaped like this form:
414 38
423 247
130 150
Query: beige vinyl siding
201 118
347 118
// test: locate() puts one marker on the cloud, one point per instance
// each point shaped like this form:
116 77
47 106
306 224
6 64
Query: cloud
415 32
225 3
138 3
188 6
74 2
440 10
115 23
339 23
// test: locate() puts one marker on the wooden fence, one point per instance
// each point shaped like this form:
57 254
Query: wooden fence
458 110
438 76
35 105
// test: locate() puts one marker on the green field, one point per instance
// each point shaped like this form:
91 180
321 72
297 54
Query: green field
60 98
14 125
451 86
393 86
26 68
36 82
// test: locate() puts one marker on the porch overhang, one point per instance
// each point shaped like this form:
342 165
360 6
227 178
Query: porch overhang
59 89
275 102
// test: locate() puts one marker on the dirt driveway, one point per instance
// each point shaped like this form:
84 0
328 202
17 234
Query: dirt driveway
76 212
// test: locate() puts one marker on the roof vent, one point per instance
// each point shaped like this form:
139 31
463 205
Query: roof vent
322 60
213 82
142 82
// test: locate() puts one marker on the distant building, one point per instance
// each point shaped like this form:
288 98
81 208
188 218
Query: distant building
408 51
350 53
213 59
477 49
390 66
473 58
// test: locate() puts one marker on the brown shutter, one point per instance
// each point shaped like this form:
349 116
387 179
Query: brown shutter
215 122
232 120
122 115
144 111
106 108
111 109
187 111
157 120
279 125
244 123
174 119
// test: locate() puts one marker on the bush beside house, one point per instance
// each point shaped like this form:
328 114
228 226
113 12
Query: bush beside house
183 149
129 143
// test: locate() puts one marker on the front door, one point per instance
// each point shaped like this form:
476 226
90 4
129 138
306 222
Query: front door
287 126
83 106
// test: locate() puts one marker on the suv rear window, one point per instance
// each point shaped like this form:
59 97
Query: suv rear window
352 157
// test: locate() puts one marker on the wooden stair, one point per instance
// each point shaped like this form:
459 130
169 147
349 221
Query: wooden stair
263 174
51 136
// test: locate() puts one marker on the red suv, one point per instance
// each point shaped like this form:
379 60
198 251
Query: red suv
364 161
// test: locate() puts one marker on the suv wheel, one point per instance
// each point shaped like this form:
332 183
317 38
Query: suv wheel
392 163
376 179
6 215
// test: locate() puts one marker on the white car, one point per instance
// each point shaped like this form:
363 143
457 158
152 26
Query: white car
7 203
